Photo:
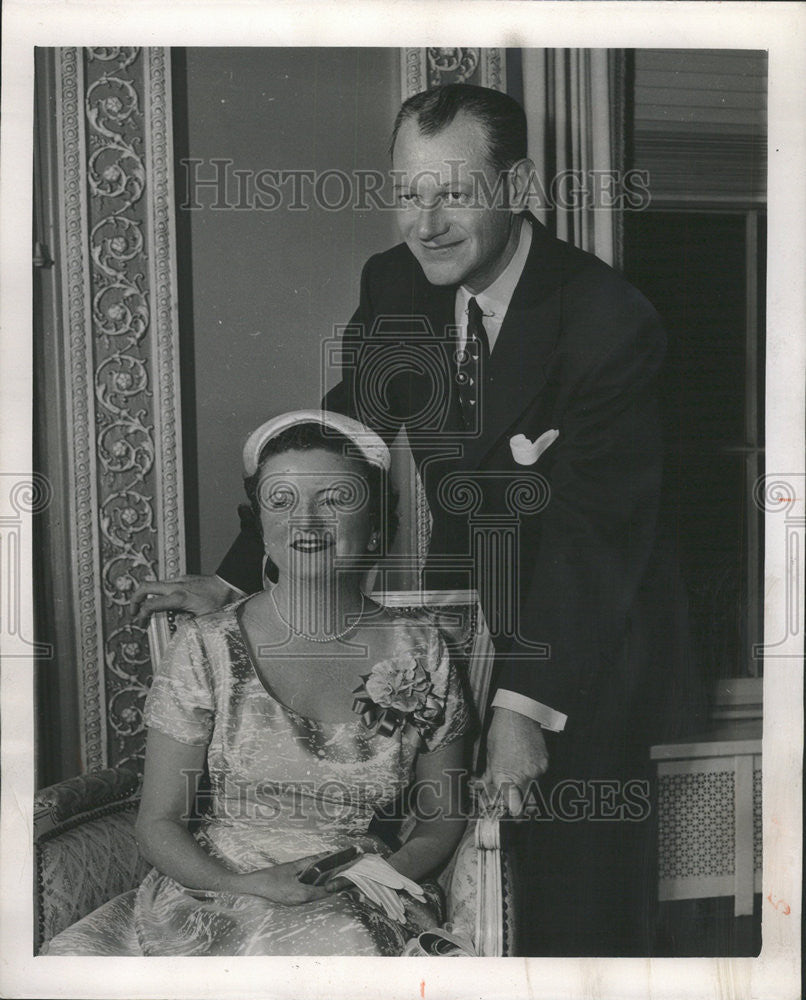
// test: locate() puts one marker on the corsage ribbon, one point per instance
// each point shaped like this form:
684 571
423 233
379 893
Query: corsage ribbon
386 720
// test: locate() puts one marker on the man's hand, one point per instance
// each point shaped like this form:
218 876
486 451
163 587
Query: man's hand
516 755
196 594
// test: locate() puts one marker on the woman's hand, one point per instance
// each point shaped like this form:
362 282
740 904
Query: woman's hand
279 883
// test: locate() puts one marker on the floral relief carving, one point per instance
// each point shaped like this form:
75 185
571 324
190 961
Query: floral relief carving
422 69
118 378
120 308
451 65
124 516
124 55
117 178
125 447
123 380
114 242
115 167
128 661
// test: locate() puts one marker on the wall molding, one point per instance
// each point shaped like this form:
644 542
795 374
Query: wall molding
422 69
119 310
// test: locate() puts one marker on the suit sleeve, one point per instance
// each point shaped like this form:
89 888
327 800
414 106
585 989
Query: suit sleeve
241 567
343 397
595 536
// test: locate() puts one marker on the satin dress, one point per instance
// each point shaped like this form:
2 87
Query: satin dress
282 786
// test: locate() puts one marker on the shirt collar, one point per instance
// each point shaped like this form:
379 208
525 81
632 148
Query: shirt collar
495 299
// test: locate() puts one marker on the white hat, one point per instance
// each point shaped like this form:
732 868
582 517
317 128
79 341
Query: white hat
367 441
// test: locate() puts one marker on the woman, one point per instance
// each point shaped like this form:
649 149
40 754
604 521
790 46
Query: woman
312 707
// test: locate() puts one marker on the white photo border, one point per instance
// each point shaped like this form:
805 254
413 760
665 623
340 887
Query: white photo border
779 28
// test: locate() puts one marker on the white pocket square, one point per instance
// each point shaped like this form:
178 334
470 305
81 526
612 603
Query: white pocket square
526 452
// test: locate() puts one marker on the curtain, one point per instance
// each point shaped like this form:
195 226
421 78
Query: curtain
574 101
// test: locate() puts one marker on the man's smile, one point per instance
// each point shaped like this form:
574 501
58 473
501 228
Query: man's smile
441 248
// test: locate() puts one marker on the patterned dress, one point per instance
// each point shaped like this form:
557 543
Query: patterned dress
282 786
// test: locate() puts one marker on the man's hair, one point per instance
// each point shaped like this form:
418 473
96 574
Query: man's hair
501 117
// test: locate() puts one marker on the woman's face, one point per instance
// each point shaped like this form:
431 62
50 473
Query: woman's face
314 511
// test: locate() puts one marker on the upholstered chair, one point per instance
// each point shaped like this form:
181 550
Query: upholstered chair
86 853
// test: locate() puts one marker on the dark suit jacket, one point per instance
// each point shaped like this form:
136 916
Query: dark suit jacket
579 351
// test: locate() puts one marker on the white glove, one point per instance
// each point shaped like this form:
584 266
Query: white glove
380 883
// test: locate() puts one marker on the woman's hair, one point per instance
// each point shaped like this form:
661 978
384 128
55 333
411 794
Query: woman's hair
382 499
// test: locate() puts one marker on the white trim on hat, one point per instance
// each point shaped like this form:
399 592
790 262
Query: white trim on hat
371 446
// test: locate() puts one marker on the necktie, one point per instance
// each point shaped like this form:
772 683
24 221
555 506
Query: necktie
472 366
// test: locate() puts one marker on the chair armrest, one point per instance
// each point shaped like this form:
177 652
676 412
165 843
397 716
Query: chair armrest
480 887
82 795
85 849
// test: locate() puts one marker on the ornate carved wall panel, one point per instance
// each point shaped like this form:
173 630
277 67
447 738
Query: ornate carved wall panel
119 307
425 68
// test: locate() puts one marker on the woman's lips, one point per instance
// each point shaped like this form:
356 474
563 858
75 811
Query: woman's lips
308 545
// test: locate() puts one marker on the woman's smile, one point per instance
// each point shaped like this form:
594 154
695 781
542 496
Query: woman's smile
312 543
314 512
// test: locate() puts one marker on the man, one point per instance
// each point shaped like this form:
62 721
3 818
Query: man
535 367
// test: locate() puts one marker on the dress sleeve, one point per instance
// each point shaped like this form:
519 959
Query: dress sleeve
180 702
456 720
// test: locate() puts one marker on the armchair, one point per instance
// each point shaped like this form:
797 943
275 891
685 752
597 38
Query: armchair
86 853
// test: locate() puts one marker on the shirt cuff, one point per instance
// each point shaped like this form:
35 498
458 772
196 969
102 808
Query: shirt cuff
231 585
547 717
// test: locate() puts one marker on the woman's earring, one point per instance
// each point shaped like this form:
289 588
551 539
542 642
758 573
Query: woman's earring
373 542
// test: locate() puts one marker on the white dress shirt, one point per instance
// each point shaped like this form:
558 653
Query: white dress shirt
494 302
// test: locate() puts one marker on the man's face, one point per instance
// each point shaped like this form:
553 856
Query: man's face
458 236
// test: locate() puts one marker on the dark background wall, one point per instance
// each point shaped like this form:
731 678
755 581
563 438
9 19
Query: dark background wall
262 288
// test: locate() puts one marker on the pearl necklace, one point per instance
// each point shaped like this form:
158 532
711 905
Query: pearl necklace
312 638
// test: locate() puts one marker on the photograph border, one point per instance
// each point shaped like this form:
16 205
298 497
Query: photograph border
779 28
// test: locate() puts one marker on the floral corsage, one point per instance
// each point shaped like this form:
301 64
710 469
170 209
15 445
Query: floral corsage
396 691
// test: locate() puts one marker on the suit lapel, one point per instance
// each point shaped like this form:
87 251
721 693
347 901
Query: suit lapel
438 304
527 338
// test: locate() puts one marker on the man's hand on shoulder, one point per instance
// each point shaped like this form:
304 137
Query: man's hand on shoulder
516 756
194 594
